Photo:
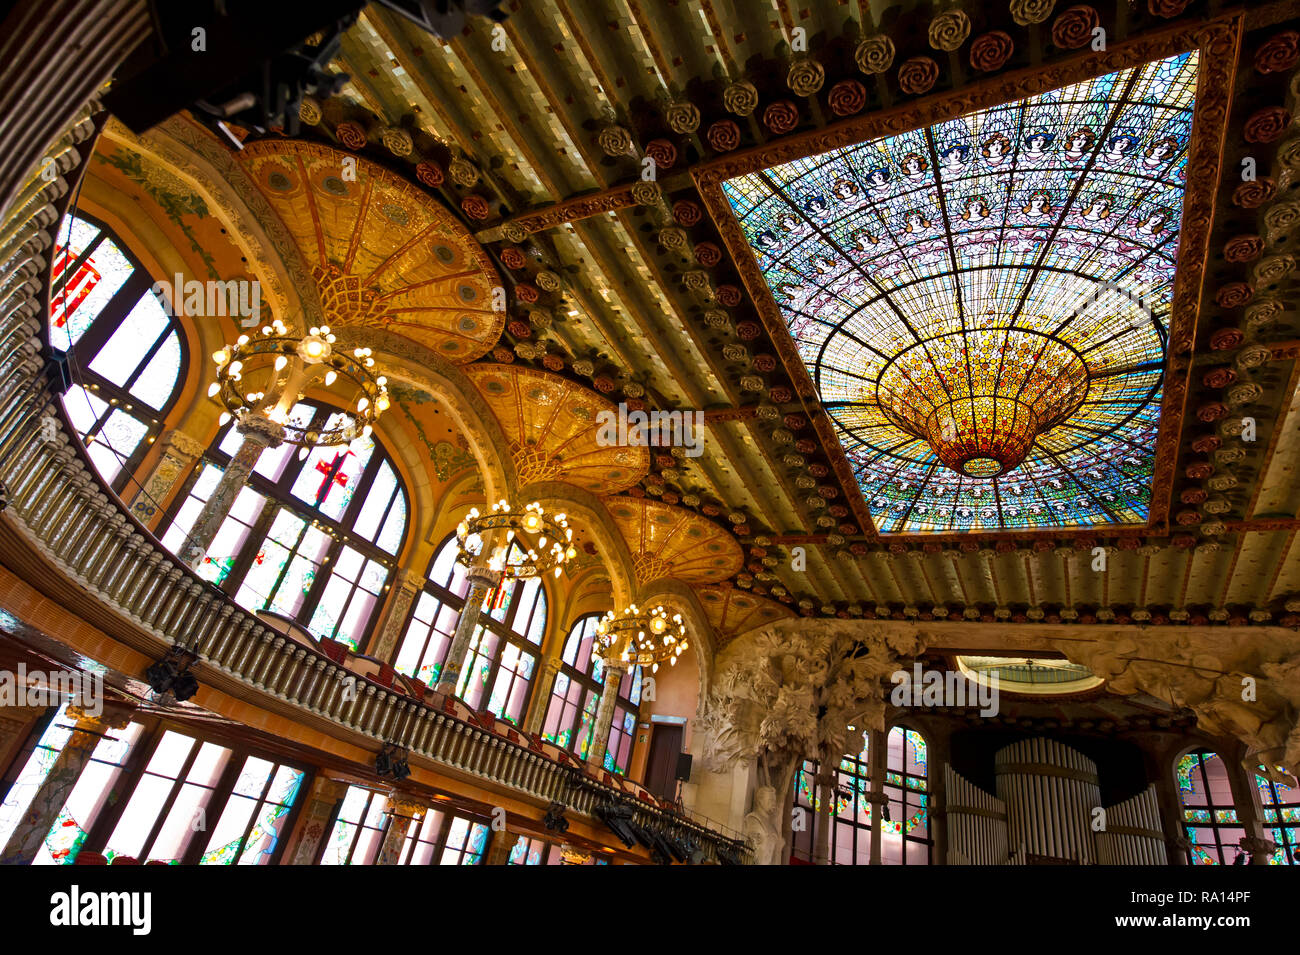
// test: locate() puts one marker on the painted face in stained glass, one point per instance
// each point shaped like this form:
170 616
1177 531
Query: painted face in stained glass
984 304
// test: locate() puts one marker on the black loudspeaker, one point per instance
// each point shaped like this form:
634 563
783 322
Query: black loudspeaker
683 767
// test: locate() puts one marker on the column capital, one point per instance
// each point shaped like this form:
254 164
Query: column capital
483 574
406 805
183 444
408 580
260 428
115 715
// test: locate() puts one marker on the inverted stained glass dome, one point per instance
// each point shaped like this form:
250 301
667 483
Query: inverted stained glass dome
983 304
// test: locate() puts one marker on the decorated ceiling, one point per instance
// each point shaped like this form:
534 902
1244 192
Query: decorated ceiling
382 253
983 304
889 254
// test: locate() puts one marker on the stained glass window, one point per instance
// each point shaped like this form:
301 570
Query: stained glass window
850 841
154 792
575 697
905 829
1281 817
359 829
253 821
534 851
443 838
1209 815
313 539
124 352
984 304
498 668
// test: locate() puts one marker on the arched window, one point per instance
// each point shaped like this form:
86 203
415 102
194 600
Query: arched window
124 352
313 539
905 830
1282 815
498 668
575 698
851 838
1209 814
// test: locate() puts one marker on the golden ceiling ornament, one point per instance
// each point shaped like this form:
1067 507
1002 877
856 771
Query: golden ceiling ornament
397 141
731 611
615 141
668 541
805 77
875 54
463 172
555 425
740 98
948 31
383 252
309 111
682 117
1027 12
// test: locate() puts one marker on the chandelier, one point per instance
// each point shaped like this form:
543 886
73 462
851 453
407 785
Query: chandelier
265 374
641 637
524 543
981 397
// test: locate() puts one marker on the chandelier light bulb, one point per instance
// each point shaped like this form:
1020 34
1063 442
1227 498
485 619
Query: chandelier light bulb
330 377
224 419
280 362
213 389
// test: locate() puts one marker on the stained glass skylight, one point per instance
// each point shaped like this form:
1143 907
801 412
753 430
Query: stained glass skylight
984 304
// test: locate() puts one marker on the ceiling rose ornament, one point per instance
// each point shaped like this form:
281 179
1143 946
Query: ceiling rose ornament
1073 28
875 54
397 141
637 637
646 193
805 77
1028 12
309 111
724 135
351 135
463 173
1266 125
615 141
682 117
918 75
663 152
781 117
429 174
520 543
1167 8
847 97
948 31
263 376
1280 54
990 51
740 98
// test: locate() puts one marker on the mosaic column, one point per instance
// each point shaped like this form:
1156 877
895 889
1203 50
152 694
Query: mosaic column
407 585
314 828
27 839
402 811
542 695
481 581
605 714
259 433
177 454
499 850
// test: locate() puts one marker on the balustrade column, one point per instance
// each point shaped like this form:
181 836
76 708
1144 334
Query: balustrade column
406 585
178 452
481 581
605 714
26 840
259 433
402 811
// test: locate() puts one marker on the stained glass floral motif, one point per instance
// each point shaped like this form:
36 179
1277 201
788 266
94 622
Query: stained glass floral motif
1209 816
984 304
